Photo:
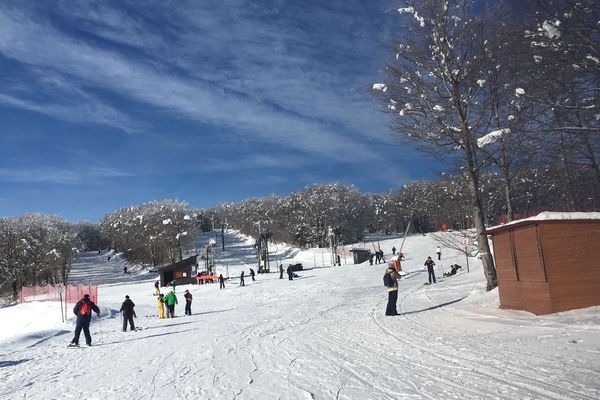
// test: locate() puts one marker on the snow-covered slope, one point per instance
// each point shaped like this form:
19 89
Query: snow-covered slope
322 336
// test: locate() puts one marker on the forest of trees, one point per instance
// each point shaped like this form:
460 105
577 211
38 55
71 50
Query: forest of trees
506 93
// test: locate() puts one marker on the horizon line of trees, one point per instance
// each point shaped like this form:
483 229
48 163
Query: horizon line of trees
37 249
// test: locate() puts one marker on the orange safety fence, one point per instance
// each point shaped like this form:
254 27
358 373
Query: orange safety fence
70 293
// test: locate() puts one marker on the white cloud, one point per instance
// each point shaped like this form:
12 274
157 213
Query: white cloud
267 90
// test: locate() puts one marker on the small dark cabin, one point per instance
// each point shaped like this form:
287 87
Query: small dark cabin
181 271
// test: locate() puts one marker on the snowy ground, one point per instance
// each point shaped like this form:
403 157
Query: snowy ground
322 336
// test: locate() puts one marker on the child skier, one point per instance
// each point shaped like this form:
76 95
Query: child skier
188 302
161 305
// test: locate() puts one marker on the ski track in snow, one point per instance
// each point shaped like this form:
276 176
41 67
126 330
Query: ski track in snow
323 336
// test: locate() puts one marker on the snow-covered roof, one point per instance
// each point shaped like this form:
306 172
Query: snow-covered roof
546 216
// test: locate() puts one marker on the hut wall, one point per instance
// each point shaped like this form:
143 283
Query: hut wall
521 271
573 269
508 285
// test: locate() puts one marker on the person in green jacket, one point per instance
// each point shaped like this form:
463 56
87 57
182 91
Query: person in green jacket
171 300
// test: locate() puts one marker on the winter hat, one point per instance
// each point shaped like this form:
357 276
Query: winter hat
126 296
86 296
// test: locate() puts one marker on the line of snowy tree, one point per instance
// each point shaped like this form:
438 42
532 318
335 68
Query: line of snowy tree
498 86
155 232
35 249
302 218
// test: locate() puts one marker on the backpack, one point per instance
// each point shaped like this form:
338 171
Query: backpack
85 308
388 281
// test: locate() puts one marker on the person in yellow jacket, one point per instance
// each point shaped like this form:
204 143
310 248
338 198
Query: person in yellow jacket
161 306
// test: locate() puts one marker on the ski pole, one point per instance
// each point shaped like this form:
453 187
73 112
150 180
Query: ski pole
100 323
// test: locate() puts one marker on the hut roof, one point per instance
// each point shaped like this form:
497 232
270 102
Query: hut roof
179 264
544 217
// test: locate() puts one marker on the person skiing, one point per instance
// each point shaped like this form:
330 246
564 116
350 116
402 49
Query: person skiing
280 271
377 257
188 302
394 250
128 314
252 274
381 257
83 310
429 264
125 269
221 282
242 279
161 305
438 251
290 273
171 300
157 287
370 257
392 291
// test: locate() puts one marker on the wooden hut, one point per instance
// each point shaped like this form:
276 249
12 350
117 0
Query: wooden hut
360 255
547 263
181 271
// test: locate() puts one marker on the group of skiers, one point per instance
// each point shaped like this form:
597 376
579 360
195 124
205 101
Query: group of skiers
391 276
378 257
84 307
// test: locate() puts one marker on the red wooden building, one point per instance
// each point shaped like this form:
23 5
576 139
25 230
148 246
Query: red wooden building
548 263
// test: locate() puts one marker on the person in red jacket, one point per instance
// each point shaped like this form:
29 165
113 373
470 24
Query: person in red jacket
83 310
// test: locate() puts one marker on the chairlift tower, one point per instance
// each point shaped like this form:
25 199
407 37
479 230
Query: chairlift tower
209 258
262 251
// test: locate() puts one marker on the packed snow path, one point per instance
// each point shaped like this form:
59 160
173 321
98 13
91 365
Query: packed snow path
322 336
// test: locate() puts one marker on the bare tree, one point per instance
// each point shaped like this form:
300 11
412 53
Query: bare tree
433 90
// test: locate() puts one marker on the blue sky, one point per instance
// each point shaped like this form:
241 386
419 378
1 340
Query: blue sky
114 104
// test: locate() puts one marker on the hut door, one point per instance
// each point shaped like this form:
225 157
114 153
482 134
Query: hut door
527 255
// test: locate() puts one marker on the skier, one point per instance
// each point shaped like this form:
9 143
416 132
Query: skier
83 309
381 256
161 305
125 269
392 291
173 285
252 274
280 271
157 287
377 257
242 279
370 257
429 264
188 302
290 273
171 300
438 251
128 314
394 250
221 282
401 256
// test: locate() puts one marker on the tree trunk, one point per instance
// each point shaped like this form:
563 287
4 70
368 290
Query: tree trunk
483 246
507 193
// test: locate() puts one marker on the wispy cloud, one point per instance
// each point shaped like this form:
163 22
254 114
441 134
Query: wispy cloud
61 176
217 63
